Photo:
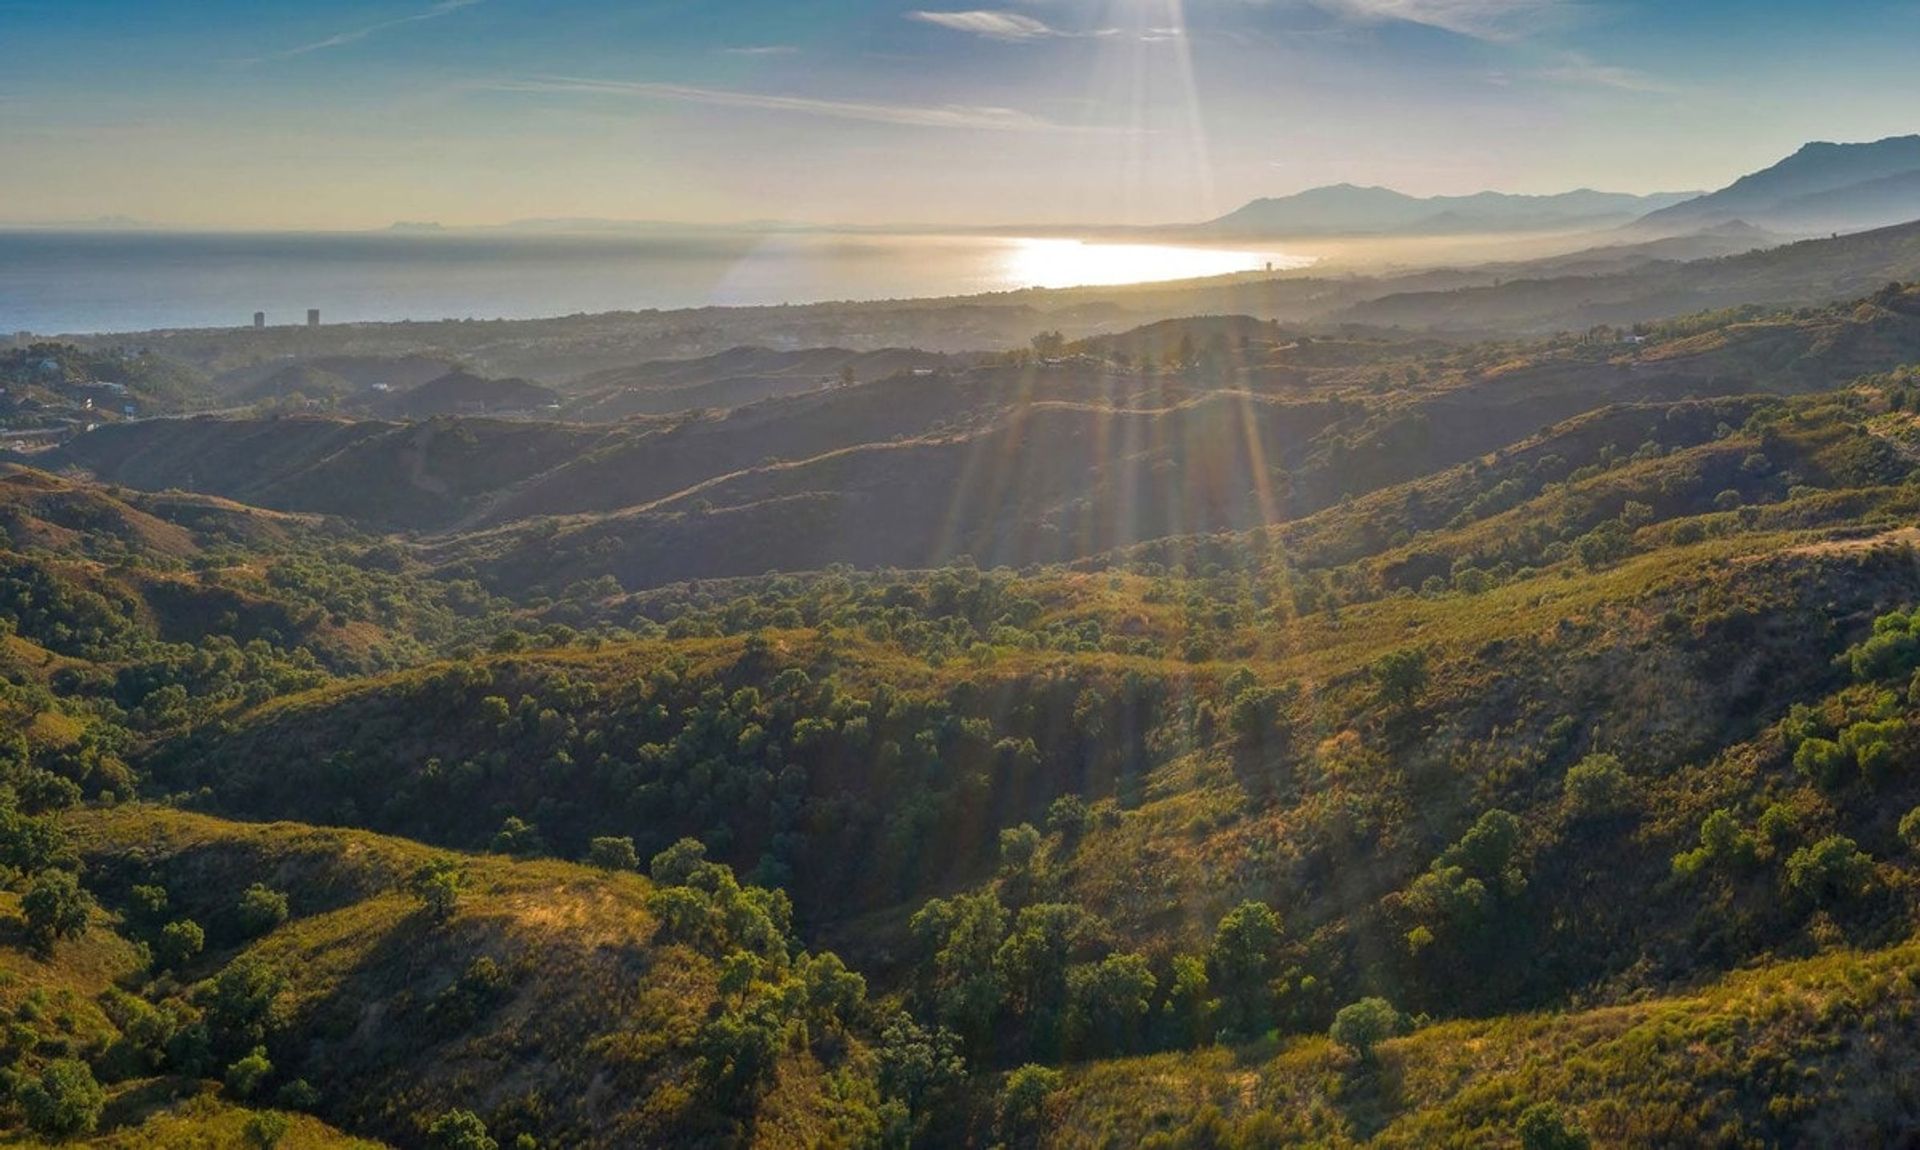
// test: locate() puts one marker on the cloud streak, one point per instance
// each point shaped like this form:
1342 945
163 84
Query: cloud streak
355 35
965 116
994 25
1478 19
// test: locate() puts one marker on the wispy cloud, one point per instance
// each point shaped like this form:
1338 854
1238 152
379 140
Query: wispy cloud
355 35
1479 19
1578 69
761 50
907 115
994 25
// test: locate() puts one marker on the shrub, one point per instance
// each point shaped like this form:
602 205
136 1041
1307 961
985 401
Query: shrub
1831 870
1822 761
1543 1127
64 1100
1910 830
267 1128
261 909
611 853
1023 1102
245 1075
460 1130
1242 964
1365 1024
178 942
1597 787
437 885
56 907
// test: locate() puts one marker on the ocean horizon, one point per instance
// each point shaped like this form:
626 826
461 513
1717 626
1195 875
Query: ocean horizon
56 282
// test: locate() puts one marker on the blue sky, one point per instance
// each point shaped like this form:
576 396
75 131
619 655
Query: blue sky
356 114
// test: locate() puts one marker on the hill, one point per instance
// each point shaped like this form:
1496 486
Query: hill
1822 187
1344 209
1809 273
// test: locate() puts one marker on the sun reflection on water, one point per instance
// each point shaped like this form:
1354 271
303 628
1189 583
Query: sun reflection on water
1060 263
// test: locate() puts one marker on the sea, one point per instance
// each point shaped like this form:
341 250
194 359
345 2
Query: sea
77 282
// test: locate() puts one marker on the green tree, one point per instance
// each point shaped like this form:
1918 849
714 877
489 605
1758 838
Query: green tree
1023 1103
1401 677
56 907
178 943
609 853
437 884
1107 1004
1597 787
1543 1127
261 909
244 1075
519 838
64 1100
1363 1025
1831 870
1242 964
460 1130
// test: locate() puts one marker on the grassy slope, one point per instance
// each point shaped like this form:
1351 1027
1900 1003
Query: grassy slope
596 1022
1807 1053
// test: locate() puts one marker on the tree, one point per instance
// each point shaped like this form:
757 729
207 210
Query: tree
1023 1103
916 1065
1242 964
1597 787
1107 1003
179 941
1364 1025
261 909
245 1075
1401 677
1542 1127
609 853
56 907
517 837
1910 830
460 1130
437 885
1831 870
64 1100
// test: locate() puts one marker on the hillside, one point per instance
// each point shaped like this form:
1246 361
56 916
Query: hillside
1823 186
1212 733
1804 274
1348 210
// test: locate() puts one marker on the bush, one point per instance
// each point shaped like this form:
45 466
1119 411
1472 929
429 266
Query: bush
178 942
613 854
1910 830
1023 1102
64 1100
261 909
460 1130
244 1076
1831 870
267 1127
1542 1127
1822 761
56 907
437 885
1597 787
1365 1024
1242 964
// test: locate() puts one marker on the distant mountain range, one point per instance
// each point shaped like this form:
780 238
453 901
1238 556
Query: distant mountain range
1345 209
1821 188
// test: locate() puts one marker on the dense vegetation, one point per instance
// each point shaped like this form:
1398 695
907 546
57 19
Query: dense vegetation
1536 769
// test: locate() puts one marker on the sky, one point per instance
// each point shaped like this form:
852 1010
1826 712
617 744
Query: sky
263 114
